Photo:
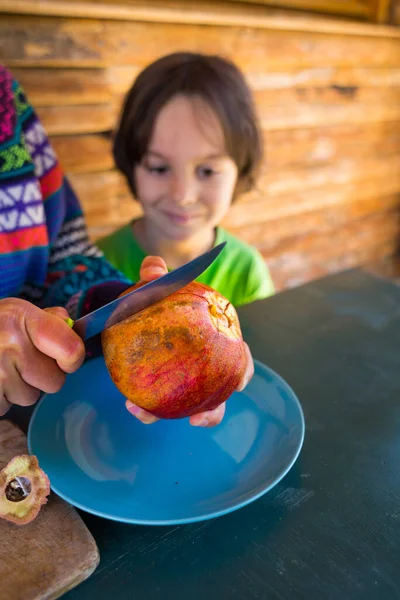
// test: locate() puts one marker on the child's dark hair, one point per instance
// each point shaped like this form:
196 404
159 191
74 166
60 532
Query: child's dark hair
216 81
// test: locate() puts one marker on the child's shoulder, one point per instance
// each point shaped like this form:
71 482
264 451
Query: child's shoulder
248 278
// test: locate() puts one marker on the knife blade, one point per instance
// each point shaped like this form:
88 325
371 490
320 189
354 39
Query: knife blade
141 298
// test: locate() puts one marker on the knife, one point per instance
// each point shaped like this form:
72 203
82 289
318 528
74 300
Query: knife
141 298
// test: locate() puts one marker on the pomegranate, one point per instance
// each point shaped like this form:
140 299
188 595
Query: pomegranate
180 356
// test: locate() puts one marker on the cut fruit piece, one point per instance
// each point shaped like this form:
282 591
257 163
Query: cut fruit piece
24 488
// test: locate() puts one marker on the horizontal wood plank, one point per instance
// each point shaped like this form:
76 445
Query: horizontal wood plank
45 41
202 12
292 117
320 77
83 153
321 145
89 118
277 182
56 87
355 8
328 96
60 42
371 10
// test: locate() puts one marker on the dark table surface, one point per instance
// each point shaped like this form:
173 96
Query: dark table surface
331 528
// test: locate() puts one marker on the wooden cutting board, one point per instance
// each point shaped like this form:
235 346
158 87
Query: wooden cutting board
50 555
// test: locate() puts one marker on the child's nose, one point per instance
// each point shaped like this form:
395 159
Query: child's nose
183 192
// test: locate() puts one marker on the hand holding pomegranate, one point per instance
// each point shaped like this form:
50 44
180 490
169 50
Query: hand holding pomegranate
181 357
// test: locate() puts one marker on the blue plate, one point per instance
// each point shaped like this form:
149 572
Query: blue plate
102 460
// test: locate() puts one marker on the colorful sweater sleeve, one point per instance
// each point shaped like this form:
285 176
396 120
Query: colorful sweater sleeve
78 276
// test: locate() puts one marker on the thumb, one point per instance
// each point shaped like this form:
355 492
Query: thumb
50 334
152 267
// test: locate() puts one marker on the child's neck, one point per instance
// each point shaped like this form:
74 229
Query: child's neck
177 252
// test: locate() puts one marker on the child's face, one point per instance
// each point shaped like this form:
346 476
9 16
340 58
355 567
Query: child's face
186 181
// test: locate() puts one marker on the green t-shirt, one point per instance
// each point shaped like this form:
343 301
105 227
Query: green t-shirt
239 273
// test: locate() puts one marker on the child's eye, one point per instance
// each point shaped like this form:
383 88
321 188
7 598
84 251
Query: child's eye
159 170
205 172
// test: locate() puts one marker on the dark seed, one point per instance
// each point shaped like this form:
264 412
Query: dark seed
18 489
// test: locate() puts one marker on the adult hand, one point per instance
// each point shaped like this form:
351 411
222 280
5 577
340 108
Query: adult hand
37 349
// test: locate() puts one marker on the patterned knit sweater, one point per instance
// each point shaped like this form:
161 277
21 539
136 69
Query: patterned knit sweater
45 254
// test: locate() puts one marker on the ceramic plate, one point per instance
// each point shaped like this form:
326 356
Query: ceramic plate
102 460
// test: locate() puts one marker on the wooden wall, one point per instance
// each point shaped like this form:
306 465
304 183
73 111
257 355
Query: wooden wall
328 95
369 10
395 12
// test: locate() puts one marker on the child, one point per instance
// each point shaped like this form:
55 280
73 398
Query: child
188 144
